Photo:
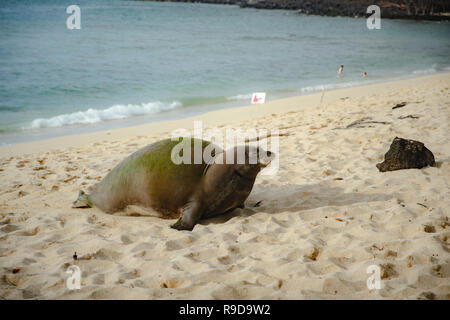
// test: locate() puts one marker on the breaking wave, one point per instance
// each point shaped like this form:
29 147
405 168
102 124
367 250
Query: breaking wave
425 71
332 86
240 97
98 115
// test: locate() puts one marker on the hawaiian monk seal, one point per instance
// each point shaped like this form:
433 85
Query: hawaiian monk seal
192 191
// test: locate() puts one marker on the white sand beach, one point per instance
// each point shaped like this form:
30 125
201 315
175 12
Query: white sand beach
324 218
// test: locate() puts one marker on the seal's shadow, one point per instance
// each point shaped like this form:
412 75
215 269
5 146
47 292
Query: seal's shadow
295 198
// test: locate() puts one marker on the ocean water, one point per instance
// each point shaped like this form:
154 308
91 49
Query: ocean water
135 62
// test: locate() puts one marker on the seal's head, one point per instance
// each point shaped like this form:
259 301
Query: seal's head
250 160
265 157
226 184
83 201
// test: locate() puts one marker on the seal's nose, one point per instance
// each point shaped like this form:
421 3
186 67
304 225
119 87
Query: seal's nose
265 158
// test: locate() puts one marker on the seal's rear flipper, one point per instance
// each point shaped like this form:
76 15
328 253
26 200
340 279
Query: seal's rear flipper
83 201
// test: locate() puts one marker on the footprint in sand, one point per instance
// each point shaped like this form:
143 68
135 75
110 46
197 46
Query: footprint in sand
143 246
130 275
126 240
171 283
180 243
230 293
28 261
103 254
388 271
30 232
173 245
22 163
9 228
99 279
15 279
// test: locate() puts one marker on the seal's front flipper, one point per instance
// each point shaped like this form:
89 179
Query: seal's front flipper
190 214
180 226
83 201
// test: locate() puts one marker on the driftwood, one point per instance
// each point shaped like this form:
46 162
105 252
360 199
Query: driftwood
412 116
363 123
399 105
267 136
406 154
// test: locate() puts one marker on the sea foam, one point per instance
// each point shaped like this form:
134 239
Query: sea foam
115 112
425 71
330 86
240 97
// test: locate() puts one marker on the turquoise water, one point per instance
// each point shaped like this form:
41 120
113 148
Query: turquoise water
137 62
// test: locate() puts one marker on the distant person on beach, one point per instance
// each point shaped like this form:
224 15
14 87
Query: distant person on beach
364 74
341 68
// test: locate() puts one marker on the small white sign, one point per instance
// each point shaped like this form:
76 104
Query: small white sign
258 98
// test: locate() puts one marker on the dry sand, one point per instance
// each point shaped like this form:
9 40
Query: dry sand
324 218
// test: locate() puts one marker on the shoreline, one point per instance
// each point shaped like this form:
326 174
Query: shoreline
212 118
188 111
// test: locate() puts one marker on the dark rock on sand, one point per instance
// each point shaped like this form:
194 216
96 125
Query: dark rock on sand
406 154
